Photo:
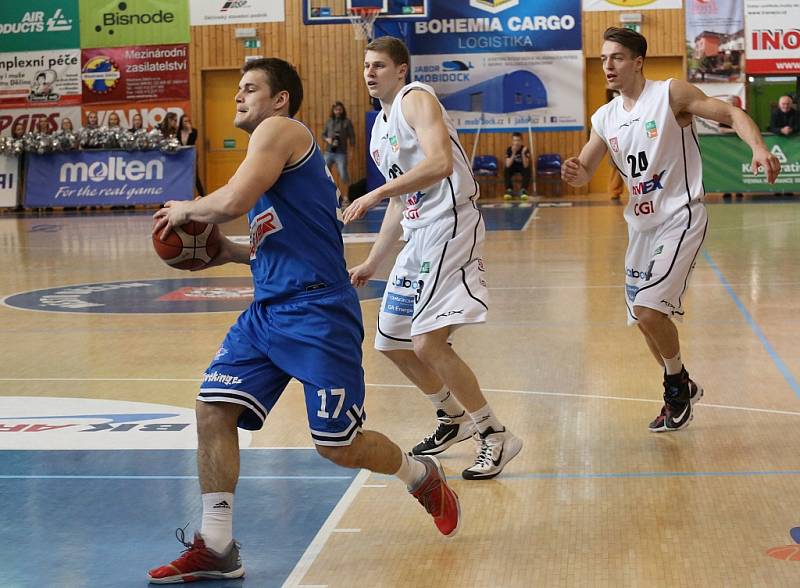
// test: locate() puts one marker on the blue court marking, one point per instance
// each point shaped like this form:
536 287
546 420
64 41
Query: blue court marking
103 518
776 359
498 217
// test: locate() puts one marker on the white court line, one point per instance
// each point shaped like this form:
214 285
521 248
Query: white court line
500 390
347 530
531 218
374 486
317 544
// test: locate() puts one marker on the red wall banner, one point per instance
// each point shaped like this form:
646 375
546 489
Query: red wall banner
152 112
154 72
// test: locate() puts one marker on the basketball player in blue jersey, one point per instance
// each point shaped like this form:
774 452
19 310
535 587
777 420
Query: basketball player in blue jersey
648 132
437 284
304 323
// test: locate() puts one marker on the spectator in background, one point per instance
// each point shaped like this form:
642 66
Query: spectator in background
338 133
169 126
187 135
43 126
91 120
66 125
518 161
136 123
113 121
18 131
785 119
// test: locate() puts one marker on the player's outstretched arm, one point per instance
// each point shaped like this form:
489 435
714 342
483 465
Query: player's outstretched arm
686 98
274 143
577 171
387 237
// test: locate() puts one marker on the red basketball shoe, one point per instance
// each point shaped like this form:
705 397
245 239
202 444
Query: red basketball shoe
437 497
198 562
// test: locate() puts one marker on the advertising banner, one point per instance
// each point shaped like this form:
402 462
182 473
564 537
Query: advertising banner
772 36
40 78
715 40
156 72
114 177
602 5
726 165
29 118
152 112
214 12
508 92
503 66
38 24
9 180
732 93
110 23
498 27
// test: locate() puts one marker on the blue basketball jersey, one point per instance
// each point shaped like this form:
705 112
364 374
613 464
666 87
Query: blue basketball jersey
296 232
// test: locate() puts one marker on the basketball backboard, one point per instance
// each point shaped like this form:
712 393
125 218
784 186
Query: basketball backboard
338 11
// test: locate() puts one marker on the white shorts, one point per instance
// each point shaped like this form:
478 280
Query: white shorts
437 280
658 262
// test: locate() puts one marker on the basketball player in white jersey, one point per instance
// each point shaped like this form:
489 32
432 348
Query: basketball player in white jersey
437 282
649 134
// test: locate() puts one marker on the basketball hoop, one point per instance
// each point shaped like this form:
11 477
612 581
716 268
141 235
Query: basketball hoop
363 20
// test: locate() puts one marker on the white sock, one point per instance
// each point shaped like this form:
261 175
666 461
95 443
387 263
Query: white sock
217 527
411 471
444 400
673 365
484 418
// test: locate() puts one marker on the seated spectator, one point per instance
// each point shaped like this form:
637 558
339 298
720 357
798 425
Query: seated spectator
43 126
91 120
113 121
169 126
188 136
136 123
66 125
518 161
18 131
785 119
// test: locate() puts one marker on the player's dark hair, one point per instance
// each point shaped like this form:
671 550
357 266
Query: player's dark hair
281 77
629 39
516 134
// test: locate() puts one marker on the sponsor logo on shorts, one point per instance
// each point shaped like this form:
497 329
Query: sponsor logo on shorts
638 274
450 313
262 226
405 282
399 304
669 304
425 268
481 266
651 129
221 352
219 378
631 291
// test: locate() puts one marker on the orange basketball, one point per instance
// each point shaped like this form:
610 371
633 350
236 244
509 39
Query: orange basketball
786 553
190 246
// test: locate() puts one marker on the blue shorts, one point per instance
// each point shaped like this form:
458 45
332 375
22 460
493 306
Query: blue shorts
314 337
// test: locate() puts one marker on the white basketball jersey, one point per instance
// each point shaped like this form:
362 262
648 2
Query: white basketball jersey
659 159
395 149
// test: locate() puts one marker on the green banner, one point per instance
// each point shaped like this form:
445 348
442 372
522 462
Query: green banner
106 23
726 164
38 24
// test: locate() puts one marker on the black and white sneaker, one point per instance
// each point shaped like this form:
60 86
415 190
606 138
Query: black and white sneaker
679 399
449 431
495 450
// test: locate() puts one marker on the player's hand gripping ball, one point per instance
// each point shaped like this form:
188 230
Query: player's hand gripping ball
189 247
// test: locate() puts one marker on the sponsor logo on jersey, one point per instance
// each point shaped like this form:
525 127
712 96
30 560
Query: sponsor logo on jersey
649 186
393 142
629 123
425 268
376 155
641 208
413 202
614 144
650 128
262 226
658 250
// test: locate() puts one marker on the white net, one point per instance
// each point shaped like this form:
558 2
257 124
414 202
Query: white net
363 21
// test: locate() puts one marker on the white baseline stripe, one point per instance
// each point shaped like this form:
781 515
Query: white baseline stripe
315 548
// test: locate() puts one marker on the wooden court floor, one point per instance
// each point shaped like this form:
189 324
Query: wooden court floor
594 499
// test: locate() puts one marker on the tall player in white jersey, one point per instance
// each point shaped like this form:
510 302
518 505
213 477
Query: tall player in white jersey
437 282
649 134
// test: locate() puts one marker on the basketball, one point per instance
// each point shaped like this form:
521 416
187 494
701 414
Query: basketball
188 247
